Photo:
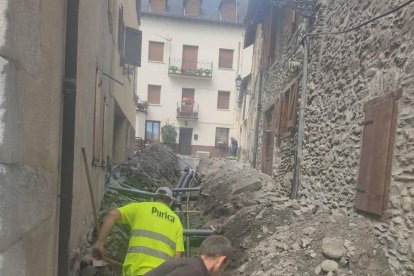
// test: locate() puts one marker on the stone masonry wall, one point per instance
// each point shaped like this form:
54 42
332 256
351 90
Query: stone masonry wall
345 72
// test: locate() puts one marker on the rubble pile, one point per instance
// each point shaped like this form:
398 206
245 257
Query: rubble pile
155 166
273 235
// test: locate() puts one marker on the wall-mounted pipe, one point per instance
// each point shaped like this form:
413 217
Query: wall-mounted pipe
68 135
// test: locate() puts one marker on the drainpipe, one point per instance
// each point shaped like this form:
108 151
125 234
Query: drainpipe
301 126
68 135
259 111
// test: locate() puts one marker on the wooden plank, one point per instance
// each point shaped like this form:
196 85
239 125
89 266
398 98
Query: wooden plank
393 131
293 103
374 157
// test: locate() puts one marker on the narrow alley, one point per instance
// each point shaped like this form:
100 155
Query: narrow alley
224 137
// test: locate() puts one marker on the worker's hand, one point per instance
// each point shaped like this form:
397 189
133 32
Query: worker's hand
98 251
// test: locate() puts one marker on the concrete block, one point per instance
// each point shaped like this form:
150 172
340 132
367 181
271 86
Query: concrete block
249 185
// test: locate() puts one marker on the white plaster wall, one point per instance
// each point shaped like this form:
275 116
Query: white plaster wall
209 38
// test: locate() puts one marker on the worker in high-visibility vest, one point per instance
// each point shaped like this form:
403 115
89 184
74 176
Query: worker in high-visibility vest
156 233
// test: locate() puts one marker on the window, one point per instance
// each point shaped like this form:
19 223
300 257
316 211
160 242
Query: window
156 51
152 132
154 94
158 5
129 42
98 121
190 56
133 45
223 100
226 58
377 152
228 10
222 137
192 8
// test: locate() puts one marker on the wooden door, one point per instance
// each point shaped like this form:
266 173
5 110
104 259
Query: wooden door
268 141
184 146
190 56
376 154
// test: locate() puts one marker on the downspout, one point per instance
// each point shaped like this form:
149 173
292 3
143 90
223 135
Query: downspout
68 135
259 111
301 123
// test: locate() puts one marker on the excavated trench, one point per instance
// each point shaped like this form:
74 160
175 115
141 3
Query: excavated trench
271 234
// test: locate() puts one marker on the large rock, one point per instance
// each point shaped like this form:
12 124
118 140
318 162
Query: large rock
333 248
329 265
248 185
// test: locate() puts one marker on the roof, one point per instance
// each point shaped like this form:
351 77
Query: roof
209 11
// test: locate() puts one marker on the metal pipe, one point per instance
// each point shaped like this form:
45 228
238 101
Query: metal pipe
300 137
198 232
192 189
187 180
182 177
258 115
68 135
144 194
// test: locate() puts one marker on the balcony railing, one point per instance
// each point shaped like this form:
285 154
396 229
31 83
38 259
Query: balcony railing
190 68
187 111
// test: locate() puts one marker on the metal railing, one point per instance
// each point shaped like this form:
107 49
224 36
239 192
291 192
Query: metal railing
187 110
192 68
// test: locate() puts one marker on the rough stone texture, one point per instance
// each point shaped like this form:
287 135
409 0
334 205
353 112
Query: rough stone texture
333 248
329 265
247 186
344 72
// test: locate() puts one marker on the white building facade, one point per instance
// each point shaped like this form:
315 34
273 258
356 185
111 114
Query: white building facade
188 71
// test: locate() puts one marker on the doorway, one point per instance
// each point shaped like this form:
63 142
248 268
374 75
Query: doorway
184 146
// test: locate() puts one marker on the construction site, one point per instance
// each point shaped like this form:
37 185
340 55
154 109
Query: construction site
285 128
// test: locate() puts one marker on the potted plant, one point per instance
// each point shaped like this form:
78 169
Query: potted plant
173 69
207 72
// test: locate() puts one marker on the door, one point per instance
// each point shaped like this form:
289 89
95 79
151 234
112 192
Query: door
376 154
187 100
190 56
184 146
268 142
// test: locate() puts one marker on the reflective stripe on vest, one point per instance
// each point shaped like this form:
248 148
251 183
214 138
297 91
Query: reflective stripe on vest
155 236
149 251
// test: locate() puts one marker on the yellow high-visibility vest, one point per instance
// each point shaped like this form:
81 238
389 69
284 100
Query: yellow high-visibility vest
156 235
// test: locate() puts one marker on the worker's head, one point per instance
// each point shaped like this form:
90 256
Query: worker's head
164 194
216 251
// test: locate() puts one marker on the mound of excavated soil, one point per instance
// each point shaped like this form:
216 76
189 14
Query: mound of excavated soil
273 235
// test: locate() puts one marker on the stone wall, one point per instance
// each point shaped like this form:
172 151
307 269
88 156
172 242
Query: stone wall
344 72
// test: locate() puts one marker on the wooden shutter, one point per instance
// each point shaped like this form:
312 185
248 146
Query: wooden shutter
121 34
223 100
284 110
190 56
154 94
226 58
156 51
98 121
276 121
192 8
133 45
228 10
376 154
267 30
158 5
292 107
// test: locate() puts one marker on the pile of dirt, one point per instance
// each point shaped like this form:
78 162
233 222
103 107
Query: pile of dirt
273 235
154 167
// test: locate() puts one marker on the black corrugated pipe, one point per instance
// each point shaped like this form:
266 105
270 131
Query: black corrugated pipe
187 180
68 135
186 170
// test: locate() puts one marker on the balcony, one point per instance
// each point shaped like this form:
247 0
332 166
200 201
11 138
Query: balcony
187 110
193 69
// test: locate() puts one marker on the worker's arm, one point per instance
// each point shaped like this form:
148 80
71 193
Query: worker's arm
106 228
